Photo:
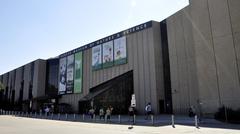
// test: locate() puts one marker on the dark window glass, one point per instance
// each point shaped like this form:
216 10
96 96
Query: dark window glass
52 77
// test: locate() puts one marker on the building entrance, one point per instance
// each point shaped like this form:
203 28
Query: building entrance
115 93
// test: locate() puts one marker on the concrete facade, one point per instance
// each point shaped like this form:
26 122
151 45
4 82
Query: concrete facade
27 81
144 58
18 81
30 78
39 78
204 55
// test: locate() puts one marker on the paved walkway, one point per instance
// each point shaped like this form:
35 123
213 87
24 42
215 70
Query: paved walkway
22 125
159 120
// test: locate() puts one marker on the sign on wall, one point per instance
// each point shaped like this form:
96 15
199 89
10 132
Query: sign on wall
78 73
108 54
120 51
97 57
70 69
62 75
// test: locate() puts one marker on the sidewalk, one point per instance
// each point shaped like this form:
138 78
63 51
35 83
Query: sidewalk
15 125
157 120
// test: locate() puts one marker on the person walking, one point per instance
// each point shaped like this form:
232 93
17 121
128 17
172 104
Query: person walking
108 113
131 113
148 110
91 112
46 111
101 113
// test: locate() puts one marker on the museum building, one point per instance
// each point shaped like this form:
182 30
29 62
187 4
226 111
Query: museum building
191 58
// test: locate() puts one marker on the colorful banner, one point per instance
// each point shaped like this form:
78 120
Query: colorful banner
97 57
62 75
78 73
70 69
120 51
108 54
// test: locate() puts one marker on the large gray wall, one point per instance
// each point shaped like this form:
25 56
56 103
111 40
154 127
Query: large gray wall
11 83
144 58
18 80
27 81
39 78
204 55
5 81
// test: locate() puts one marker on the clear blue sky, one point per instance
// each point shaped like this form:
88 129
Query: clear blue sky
32 29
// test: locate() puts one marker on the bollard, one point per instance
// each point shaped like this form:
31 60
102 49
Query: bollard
74 117
30 114
94 117
59 116
40 114
35 115
134 119
83 117
173 124
66 116
152 119
105 119
51 115
196 121
225 113
119 118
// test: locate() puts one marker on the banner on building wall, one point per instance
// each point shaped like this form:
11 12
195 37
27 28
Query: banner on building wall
97 57
78 73
108 54
120 51
62 75
70 71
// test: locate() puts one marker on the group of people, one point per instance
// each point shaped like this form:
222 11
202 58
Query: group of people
101 113
148 111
